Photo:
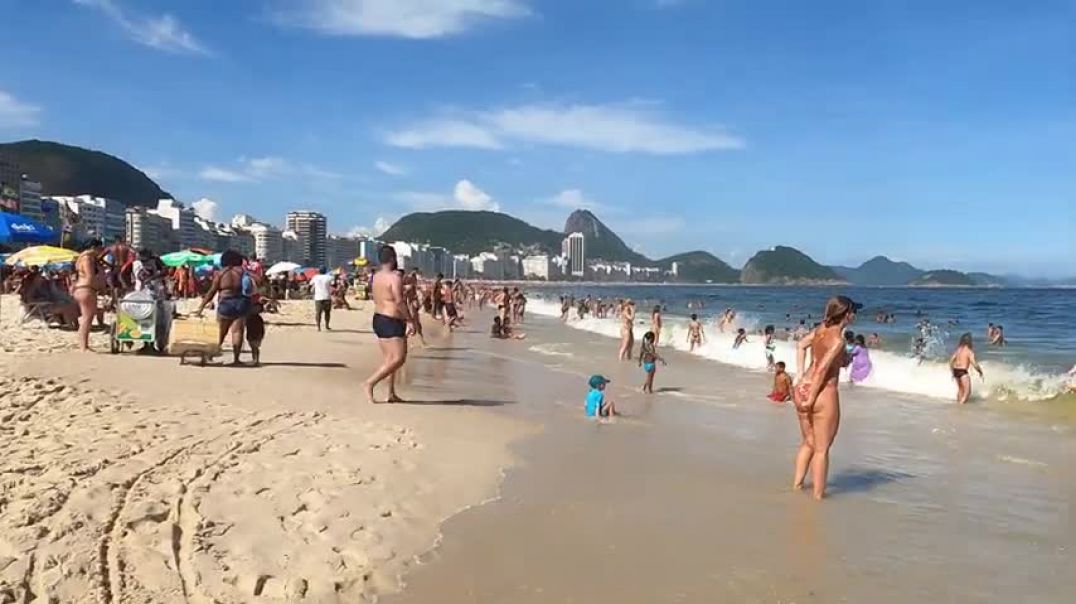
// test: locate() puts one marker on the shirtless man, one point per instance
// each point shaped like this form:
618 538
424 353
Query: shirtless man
448 297
414 302
435 294
121 269
392 317
695 335
960 363
627 334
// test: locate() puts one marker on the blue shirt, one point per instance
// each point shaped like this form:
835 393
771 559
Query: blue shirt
594 402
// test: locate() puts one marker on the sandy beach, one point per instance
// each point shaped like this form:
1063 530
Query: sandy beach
132 479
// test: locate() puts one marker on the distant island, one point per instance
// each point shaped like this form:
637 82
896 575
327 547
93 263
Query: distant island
70 170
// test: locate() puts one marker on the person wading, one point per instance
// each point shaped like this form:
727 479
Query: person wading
392 323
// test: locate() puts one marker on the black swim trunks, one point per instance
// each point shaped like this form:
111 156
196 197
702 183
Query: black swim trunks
450 310
959 373
387 328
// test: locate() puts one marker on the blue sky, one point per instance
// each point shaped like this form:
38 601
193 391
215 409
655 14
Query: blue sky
942 133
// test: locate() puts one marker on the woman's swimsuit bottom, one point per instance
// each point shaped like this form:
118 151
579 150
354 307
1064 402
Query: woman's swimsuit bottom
233 307
649 367
959 373
387 328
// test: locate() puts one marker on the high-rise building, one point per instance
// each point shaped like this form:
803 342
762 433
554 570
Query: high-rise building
574 248
268 242
30 200
10 185
312 228
188 234
147 229
539 267
98 217
369 249
292 247
341 251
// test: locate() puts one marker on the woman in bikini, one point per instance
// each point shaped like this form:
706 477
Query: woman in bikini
234 301
87 282
816 398
962 361
627 337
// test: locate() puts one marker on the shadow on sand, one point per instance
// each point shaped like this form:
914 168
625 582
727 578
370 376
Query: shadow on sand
301 364
464 402
861 480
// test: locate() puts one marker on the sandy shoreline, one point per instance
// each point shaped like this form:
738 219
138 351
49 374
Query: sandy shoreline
127 478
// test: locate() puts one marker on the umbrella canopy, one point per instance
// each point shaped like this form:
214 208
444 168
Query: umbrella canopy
40 255
20 229
307 273
360 261
281 267
184 258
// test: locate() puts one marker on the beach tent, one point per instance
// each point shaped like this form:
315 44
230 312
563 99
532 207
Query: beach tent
281 267
15 228
185 258
40 255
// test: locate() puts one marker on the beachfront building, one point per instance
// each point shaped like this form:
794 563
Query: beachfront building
369 248
461 267
489 266
30 200
540 267
415 255
10 185
98 217
292 247
647 273
147 229
574 248
268 241
341 250
51 214
188 233
312 228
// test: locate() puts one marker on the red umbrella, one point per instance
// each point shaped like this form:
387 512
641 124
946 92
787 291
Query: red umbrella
308 273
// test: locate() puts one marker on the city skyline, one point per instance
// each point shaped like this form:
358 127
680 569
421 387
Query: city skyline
845 130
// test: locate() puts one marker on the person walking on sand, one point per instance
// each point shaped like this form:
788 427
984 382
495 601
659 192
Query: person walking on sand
627 324
391 321
322 286
655 324
961 361
236 287
695 335
816 397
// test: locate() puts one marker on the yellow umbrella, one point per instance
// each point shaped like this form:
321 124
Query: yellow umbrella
360 262
40 255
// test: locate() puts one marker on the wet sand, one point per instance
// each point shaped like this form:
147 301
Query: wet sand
687 499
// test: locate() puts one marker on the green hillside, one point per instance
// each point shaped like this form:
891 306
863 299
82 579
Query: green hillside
880 271
943 278
602 242
701 267
67 170
786 266
466 232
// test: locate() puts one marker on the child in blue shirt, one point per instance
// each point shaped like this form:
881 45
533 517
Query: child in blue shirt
597 405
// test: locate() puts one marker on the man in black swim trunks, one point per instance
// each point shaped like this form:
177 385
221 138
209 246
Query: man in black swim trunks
392 323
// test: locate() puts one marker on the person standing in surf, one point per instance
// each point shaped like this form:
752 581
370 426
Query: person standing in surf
655 324
816 397
627 335
962 361
392 319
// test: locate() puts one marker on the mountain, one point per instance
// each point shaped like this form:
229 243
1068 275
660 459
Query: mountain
466 232
942 278
601 241
701 267
989 280
67 170
787 266
879 271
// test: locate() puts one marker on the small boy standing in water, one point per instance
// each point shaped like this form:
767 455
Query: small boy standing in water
648 358
782 384
597 405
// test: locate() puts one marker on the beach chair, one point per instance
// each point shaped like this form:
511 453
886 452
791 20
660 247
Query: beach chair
35 310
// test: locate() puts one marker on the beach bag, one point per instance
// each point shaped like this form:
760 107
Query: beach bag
246 285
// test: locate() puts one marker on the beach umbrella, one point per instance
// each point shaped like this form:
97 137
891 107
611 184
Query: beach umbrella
282 267
41 255
308 273
360 262
184 258
15 228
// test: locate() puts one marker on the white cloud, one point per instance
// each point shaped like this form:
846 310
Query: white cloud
615 128
470 197
390 169
17 114
162 32
216 174
381 224
418 19
465 196
574 199
206 208
445 133
259 169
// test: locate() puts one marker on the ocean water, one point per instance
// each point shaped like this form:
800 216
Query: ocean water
1039 325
